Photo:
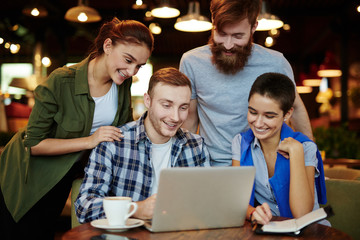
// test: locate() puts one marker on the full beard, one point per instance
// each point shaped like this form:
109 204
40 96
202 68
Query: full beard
230 64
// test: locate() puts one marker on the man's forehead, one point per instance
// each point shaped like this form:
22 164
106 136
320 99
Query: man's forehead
165 92
234 27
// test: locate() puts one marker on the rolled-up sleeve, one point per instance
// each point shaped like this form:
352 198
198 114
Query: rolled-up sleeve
310 158
96 184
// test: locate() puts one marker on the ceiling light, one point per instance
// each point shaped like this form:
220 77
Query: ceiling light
269 41
274 32
82 13
303 89
286 27
329 68
312 82
35 11
165 10
14 48
155 28
193 21
139 4
312 79
266 20
46 61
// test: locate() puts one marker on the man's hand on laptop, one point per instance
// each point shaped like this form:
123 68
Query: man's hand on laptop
146 208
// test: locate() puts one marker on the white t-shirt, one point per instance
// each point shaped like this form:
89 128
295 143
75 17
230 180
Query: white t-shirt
105 109
160 159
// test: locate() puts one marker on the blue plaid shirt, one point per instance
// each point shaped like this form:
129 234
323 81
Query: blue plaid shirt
123 168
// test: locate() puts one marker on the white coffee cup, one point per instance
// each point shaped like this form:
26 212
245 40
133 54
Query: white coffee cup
117 209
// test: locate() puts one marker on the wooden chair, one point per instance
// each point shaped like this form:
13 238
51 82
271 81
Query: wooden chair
342 173
74 193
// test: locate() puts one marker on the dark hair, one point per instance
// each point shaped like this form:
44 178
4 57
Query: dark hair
129 31
276 86
231 11
169 76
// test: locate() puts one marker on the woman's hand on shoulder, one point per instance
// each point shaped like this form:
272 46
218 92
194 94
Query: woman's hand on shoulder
104 134
290 146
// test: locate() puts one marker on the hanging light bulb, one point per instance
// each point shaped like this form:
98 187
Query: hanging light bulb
266 20
82 17
46 61
139 4
269 41
329 68
193 21
312 79
165 10
82 13
155 28
35 11
14 48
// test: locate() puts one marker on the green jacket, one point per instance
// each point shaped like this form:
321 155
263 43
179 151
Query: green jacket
63 109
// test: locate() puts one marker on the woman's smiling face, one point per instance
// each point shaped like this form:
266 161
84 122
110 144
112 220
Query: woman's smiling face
123 60
265 117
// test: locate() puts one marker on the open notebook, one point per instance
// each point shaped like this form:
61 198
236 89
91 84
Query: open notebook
202 198
295 225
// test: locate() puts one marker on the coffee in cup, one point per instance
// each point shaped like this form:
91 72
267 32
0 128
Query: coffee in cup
117 209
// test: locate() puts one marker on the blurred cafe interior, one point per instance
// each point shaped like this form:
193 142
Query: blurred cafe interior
38 36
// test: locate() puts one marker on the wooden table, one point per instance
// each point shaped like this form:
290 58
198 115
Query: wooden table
342 161
313 231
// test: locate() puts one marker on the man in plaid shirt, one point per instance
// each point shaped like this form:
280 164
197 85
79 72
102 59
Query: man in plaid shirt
131 167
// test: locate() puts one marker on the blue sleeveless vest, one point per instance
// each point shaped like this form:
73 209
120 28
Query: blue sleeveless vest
280 182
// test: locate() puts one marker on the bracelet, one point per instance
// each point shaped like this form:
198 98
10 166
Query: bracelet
252 213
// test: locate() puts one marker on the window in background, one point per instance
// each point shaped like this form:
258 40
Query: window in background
139 87
141 80
14 70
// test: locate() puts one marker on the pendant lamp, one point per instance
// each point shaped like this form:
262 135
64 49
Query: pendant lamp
82 13
312 79
35 11
165 10
193 21
266 20
329 67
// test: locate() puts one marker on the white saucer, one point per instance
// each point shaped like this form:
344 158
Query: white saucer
130 223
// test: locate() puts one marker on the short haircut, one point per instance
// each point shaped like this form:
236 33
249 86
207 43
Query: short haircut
231 11
276 86
168 76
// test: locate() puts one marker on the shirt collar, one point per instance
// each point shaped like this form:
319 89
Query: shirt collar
180 137
81 76
257 142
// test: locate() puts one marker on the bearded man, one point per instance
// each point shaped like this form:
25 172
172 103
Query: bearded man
222 73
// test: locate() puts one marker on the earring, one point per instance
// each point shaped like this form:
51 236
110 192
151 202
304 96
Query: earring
285 119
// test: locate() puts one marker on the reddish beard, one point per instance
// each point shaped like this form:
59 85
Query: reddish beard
230 64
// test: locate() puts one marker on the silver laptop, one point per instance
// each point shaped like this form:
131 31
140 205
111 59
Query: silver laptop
201 198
